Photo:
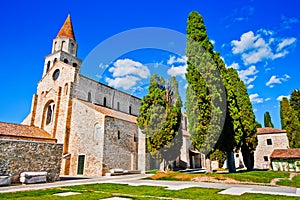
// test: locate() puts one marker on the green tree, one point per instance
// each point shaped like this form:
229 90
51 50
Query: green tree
268 120
295 102
160 117
205 95
290 123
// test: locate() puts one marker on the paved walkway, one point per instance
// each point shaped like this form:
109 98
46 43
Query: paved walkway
136 180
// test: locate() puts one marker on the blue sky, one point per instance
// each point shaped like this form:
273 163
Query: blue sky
258 38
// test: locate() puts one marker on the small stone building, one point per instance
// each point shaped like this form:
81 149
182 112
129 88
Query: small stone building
269 139
28 148
286 160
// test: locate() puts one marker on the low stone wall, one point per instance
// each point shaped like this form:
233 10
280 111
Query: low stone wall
18 156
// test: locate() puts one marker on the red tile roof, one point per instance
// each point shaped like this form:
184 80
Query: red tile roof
67 29
269 130
286 153
110 112
24 132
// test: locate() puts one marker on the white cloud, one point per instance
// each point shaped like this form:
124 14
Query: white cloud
177 71
126 66
254 98
281 96
248 75
277 80
285 42
123 82
172 60
250 87
267 99
213 42
258 47
234 66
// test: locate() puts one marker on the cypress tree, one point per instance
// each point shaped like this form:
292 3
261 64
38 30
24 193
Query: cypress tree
268 120
160 119
295 102
290 123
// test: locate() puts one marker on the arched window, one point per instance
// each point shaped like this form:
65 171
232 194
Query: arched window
104 101
50 113
89 97
62 45
135 139
72 48
66 61
97 131
48 65
119 134
130 109
66 89
54 49
54 61
118 106
74 64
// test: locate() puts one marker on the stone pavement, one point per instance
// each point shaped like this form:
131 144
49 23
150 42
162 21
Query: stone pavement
136 180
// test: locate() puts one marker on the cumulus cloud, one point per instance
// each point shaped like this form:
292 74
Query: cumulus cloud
250 87
247 75
277 80
123 82
126 66
178 66
267 99
254 98
234 66
173 59
126 73
260 46
279 98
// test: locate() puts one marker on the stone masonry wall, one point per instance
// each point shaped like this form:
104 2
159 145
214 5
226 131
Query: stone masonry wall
120 152
20 156
115 99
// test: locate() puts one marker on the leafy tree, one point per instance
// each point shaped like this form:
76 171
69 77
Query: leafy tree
268 120
290 122
205 94
295 102
160 117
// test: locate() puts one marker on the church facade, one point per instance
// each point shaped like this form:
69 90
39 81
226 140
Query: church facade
95 123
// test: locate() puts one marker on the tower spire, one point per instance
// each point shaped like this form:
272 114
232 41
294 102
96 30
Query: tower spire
67 29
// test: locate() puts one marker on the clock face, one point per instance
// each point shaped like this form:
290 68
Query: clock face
55 74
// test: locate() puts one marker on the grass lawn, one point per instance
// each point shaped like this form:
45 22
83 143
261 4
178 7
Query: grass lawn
295 182
263 177
99 191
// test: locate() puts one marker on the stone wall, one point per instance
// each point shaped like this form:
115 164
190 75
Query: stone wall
115 99
120 152
19 156
264 150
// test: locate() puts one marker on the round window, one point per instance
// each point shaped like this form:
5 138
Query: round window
55 74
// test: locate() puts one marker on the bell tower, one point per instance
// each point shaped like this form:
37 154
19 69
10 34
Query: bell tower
64 48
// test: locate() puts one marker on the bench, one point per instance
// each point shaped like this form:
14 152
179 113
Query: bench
33 177
5 180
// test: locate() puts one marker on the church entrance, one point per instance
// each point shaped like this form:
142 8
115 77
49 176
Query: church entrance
80 167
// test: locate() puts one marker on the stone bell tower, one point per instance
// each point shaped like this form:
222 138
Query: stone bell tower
64 47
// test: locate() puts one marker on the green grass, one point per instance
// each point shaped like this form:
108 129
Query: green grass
263 177
99 191
295 182
257 176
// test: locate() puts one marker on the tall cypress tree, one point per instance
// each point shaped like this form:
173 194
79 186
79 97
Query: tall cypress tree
160 119
290 123
295 102
268 120
204 92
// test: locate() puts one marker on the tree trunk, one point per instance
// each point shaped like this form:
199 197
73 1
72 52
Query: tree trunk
230 162
208 166
248 158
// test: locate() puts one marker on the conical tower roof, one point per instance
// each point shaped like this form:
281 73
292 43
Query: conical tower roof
67 29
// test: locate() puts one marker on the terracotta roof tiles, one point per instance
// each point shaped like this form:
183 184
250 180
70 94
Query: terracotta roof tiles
286 153
269 130
67 29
